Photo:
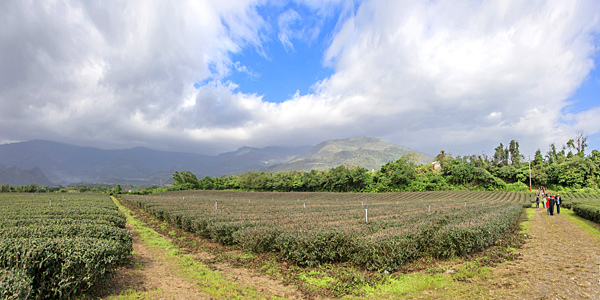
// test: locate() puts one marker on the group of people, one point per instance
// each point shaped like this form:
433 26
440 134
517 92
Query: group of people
548 201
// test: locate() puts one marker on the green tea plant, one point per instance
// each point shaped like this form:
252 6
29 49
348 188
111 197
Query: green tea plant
375 231
586 206
57 248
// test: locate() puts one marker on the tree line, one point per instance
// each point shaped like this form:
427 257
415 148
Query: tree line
81 188
565 169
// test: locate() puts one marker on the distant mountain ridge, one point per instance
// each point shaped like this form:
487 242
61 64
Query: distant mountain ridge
68 164
367 152
16 176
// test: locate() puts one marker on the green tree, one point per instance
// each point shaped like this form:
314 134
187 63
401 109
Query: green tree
441 158
538 159
117 190
339 179
552 155
461 172
185 180
578 144
393 175
515 154
501 156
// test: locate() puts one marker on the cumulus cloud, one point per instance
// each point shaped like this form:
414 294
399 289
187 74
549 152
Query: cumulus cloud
442 68
430 75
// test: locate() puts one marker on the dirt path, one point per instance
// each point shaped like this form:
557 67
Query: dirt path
150 274
560 261
154 275
155 272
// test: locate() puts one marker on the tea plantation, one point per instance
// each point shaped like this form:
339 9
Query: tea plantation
374 231
56 246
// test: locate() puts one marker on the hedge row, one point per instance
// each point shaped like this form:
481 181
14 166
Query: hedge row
332 227
97 231
440 236
588 211
57 251
586 206
60 267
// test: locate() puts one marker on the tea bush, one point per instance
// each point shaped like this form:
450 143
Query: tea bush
57 248
375 231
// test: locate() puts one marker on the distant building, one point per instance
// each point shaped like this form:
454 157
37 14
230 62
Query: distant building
436 165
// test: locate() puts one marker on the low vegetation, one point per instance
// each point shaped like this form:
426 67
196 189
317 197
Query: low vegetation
586 206
56 248
373 231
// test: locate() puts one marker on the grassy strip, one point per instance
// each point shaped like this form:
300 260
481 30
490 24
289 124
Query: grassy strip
133 295
207 281
425 286
526 225
586 225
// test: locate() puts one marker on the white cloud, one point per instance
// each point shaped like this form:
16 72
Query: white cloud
458 76
286 32
441 68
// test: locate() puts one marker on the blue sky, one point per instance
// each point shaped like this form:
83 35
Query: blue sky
587 97
280 69
211 76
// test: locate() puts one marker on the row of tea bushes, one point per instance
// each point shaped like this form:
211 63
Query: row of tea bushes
58 248
376 231
586 206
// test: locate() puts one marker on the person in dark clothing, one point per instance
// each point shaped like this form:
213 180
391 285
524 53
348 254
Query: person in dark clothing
537 202
551 202
558 203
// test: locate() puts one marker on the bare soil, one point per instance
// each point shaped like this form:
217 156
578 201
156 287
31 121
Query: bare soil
149 270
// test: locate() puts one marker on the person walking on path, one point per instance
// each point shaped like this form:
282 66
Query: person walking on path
543 202
547 205
537 202
558 203
551 206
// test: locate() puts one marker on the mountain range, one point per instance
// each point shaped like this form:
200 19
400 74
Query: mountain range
16 176
68 164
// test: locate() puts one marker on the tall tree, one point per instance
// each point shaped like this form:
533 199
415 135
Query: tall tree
538 159
578 144
515 155
552 155
500 156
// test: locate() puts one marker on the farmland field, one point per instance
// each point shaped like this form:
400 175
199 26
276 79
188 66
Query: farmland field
55 246
374 231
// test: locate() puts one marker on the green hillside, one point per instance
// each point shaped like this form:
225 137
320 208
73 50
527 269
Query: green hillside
367 152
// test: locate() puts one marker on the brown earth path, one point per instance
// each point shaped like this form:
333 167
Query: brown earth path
147 275
151 274
560 261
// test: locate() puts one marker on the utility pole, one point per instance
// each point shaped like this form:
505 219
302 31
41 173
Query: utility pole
530 173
